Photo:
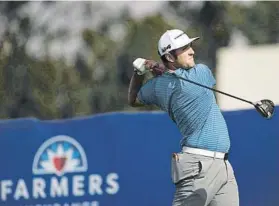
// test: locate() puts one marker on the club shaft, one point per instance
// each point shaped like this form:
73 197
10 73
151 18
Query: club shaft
215 90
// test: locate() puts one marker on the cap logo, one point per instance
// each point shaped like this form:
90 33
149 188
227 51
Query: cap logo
165 48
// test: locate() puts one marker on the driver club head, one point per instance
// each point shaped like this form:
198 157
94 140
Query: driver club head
265 107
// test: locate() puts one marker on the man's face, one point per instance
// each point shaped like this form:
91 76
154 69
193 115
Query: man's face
185 57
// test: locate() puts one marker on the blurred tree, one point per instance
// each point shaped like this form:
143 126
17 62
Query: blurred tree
28 86
259 22
101 70
13 73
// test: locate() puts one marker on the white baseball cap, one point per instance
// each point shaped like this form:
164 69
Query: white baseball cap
173 39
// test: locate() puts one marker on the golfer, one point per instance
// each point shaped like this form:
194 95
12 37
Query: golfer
201 172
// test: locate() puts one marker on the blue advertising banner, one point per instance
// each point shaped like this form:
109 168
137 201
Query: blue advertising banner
123 159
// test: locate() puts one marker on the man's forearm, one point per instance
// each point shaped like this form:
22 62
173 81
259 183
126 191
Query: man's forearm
134 87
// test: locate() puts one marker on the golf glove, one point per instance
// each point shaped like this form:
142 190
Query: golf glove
139 66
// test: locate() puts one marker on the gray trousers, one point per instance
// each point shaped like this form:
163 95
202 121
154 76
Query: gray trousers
203 181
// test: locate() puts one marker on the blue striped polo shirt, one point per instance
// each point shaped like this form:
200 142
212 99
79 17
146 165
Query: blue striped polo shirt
193 108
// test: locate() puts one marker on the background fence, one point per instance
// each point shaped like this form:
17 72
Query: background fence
124 159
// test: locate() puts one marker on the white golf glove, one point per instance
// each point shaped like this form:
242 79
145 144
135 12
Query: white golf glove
139 66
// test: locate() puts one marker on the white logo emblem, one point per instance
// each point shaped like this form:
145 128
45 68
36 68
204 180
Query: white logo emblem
59 155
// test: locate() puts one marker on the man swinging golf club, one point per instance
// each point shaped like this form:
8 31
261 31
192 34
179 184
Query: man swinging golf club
201 172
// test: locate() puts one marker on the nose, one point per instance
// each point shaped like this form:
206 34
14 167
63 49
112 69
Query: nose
191 51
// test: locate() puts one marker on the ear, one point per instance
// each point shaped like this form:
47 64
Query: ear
169 57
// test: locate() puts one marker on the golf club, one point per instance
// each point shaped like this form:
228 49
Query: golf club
265 107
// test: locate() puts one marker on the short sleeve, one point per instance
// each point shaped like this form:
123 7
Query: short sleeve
208 75
146 94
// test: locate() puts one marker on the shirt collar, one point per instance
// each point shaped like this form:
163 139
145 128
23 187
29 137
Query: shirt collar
180 71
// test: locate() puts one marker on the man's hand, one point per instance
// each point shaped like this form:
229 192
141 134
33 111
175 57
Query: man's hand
139 66
156 68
